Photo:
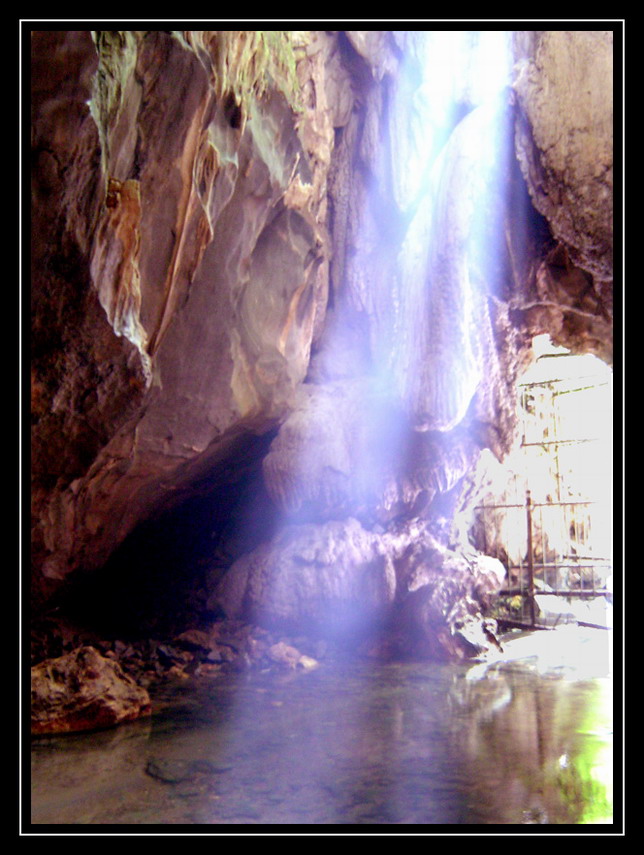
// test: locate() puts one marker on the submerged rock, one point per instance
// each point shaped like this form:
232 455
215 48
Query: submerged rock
178 771
83 691
290 657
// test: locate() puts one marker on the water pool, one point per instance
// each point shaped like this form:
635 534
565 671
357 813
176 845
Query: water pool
525 740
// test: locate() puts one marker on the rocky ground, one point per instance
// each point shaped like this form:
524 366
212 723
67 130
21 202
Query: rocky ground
80 681
223 647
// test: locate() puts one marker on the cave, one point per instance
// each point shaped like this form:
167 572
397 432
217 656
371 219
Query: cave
311 315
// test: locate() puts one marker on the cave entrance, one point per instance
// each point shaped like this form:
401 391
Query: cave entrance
552 524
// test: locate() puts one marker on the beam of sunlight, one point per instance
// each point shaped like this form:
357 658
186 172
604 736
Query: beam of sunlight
450 257
463 72
423 378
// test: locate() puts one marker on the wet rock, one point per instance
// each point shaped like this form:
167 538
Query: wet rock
440 612
169 655
224 653
83 690
210 669
194 639
285 655
290 657
176 672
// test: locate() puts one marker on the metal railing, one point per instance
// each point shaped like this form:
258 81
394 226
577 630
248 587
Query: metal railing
557 547
542 570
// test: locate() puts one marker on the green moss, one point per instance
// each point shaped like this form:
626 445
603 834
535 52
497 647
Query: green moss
249 63
117 53
279 48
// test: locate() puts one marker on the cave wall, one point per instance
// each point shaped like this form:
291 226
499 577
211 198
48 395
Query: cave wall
564 145
178 265
231 236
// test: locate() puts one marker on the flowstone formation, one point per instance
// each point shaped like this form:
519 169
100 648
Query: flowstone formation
268 272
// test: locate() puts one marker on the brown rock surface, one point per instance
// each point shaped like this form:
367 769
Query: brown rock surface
564 144
189 234
83 690
565 90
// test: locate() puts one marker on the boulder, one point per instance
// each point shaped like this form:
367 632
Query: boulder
440 603
83 691
340 581
335 579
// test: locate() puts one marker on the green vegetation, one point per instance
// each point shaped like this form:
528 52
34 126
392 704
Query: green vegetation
248 62
585 775
585 793
510 608
117 54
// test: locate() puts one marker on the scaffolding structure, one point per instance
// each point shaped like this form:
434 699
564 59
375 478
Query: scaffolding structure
561 541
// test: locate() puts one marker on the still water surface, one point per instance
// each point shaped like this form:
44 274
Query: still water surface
527 740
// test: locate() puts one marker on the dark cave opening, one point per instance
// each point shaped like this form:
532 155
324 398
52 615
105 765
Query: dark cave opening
154 583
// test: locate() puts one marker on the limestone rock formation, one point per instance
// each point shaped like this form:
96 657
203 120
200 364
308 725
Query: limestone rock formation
347 448
339 580
564 144
310 238
333 579
441 601
179 265
83 690
565 91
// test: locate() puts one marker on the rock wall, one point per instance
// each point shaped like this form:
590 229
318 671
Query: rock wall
179 264
231 236
564 144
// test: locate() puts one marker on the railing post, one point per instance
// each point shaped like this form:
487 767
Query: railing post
528 510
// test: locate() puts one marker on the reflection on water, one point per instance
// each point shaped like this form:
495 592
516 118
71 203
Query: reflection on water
513 742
